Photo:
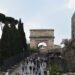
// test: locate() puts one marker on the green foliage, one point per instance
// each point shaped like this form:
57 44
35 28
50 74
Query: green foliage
13 40
5 42
34 50
22 39
4 19
53 69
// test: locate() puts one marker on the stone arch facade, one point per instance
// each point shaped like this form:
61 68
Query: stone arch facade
42 35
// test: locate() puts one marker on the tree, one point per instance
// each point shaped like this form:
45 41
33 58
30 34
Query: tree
5 42
53 69
13 40
22 38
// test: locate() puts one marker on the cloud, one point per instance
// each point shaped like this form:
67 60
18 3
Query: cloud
4 11
71 4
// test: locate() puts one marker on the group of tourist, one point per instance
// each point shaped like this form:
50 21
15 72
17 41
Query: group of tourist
34 66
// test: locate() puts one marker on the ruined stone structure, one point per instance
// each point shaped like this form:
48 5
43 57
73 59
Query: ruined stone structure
73 26
69 51
42 35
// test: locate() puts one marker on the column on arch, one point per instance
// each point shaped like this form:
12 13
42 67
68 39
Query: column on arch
50 43
33 43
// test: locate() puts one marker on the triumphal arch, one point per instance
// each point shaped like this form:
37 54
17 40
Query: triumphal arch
42 35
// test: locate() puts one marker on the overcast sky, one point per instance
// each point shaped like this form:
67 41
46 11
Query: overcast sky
50 14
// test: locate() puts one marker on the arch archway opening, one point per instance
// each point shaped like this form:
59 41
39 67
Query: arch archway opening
42 45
